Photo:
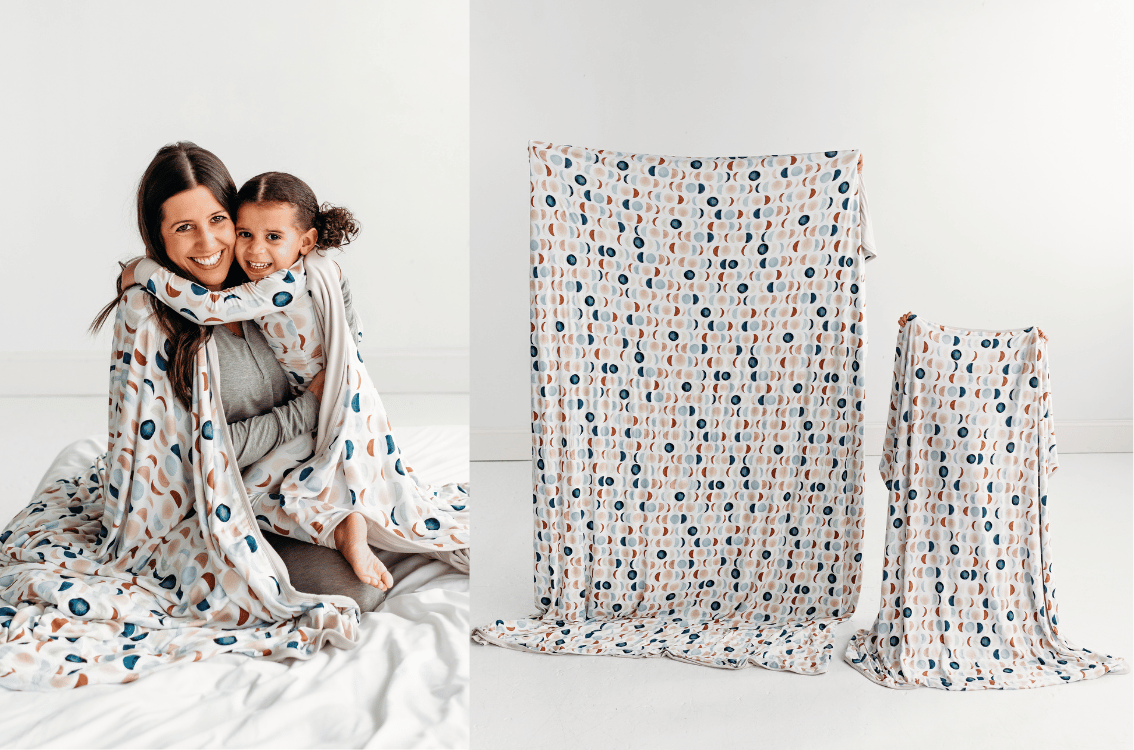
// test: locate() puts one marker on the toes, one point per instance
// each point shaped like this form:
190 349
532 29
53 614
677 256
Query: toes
378 578
367 567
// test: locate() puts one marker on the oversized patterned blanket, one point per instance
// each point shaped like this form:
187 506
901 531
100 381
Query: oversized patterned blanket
968 600
154 555
697 331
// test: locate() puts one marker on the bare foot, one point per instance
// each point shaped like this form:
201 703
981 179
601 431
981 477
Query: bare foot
350 539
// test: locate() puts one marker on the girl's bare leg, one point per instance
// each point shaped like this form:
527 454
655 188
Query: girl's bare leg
350 539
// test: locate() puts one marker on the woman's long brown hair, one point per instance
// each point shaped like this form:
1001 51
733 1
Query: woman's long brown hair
174 169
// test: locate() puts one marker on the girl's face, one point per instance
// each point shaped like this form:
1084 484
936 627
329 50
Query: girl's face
199 235
268 240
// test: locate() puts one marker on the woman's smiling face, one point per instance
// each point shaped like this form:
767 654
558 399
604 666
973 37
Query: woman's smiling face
199 235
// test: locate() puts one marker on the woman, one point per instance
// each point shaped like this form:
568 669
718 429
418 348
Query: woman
154 554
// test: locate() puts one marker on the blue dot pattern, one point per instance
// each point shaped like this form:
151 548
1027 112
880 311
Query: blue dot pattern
697 332
968 598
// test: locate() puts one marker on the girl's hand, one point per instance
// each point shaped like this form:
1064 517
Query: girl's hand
316 385
128 273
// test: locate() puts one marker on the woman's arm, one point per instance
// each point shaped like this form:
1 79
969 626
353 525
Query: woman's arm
256 437
196 303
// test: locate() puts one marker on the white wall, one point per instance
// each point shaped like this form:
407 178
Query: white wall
997 142
366 101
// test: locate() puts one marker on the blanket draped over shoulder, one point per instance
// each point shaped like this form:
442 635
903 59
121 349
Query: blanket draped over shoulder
968 599
697 333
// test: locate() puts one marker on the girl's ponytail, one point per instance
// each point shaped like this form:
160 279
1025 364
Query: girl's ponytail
336 226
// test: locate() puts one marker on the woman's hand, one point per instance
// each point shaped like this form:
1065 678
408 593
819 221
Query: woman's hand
316 385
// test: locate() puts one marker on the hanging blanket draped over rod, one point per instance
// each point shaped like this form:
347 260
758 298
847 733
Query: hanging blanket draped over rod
697 333
968 600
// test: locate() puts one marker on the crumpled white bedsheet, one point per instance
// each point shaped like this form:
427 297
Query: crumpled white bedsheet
406 685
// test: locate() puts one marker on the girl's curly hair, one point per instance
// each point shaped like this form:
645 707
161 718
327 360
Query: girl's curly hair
335 224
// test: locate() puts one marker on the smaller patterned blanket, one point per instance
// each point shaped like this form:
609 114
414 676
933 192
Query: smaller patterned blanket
968 600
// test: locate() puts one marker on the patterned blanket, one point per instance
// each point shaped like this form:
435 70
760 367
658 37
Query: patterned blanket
697 332
305 487
154 554
968 600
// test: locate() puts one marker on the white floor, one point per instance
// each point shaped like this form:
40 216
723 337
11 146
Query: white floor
523 700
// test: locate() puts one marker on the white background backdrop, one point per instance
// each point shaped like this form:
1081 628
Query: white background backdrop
365 101
997 143
997 140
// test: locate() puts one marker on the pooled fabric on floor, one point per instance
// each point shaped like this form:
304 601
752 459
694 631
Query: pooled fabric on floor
968 600
153 554
697 333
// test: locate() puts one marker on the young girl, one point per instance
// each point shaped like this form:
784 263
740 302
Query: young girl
349 486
